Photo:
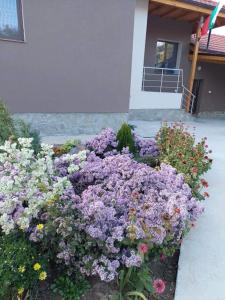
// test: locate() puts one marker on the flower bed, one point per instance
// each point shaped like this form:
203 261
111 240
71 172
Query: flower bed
104 211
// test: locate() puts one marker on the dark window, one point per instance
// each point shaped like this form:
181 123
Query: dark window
11 21
166 56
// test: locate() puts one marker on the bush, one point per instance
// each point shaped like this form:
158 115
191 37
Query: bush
68 288
125 139
27 184
24 130
177 147
109 143
99 212
67 147
14 129
103 143
6 124
115 212
22 266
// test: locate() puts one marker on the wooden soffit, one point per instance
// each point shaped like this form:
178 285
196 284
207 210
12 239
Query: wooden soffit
182 11
216 59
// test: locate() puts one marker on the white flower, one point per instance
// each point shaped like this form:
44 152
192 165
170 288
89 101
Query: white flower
73 168
25 142
26 182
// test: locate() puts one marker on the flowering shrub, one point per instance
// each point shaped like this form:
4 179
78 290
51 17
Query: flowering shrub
177 147
125 204
109 143
26 184
22 267
146 147
103 143
97 212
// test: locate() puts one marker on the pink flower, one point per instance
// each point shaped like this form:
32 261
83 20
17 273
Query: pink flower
162 257
159 286
143 248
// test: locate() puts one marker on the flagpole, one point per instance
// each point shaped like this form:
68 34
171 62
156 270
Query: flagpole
194 64
209 36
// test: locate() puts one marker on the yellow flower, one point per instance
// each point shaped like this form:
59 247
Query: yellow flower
50 202
21 269
43 276
37 267
40 226
20 291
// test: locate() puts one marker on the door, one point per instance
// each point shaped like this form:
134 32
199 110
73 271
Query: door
196 91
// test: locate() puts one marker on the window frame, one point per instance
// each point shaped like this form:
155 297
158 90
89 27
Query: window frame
20 16
179 50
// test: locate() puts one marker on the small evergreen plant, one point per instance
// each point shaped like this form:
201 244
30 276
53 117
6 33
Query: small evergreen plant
125 138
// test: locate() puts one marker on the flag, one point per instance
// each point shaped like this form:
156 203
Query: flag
211 20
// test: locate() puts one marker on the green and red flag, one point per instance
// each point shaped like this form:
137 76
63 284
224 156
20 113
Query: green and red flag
211 20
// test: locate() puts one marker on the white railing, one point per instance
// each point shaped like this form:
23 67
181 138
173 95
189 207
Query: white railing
188 98
162 80
169 81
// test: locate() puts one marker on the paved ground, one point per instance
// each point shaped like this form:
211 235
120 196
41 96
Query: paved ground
61 139
201 274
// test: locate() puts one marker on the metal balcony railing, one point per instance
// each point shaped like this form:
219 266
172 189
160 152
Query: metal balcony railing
162 80
187 96
167 80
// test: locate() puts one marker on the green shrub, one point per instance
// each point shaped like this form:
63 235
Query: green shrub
24 130
66 147
22 266
68 289
125 138
178 148
6 123
14 129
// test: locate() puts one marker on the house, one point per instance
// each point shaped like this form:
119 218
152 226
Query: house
74 66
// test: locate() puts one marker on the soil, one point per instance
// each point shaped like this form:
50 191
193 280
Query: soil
165 269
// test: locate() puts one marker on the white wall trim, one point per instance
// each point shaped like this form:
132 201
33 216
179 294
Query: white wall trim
140 99
154 100
139 39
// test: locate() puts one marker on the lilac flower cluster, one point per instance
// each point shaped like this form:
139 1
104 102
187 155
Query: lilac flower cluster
147 147
105 144
129 201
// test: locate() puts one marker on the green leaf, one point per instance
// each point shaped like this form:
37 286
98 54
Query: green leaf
138 294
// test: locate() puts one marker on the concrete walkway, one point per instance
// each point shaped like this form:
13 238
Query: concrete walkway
201 274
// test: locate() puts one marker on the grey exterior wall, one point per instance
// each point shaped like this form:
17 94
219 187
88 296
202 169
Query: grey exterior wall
168 30
76 58
212 90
